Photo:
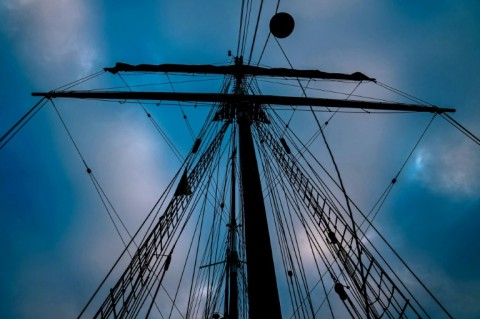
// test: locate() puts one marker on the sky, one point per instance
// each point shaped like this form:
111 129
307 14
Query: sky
57 241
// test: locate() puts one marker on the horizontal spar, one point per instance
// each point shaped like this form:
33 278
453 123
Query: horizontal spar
237 70
237 98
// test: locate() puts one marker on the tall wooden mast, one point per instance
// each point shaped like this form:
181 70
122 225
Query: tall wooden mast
246 109
262 285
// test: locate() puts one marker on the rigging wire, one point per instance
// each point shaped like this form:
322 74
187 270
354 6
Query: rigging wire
319 89
307 233
364 293
342 187
181 109
299 214
461 128
199 220
212 252
383 239
184 225
190 214
213 78
162 133
268 38
446 116
7 137
197 281
160 202
281 233
247 25
404 264
194 273
70 136
401 93
79 81
255 32
378 205
240 28
296 204
103 197
214 249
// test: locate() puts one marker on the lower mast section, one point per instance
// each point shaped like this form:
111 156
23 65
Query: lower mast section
262 285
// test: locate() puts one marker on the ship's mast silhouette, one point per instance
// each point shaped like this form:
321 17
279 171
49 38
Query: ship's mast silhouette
245 111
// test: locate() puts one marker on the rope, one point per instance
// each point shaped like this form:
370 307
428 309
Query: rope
387 191
162 196
7 137
255 32
181 109
103 196
79 81
268 38
71 137
446 116
240 28
287 194
170 144
342 187
461 128
92 177
247 25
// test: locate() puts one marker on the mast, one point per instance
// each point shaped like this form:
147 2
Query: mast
232 254
262 284
360 266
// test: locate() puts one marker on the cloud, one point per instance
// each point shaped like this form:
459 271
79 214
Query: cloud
449 170
449 290
314 9
51 37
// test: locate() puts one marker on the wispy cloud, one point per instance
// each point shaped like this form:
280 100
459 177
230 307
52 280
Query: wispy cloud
51 34
449 171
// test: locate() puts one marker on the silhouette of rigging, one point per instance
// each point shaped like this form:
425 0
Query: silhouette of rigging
359 275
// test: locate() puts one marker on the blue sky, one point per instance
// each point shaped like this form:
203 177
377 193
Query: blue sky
57 242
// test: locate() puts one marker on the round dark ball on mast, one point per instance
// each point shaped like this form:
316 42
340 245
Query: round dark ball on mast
281 25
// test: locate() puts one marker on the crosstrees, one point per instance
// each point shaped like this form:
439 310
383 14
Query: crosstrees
235 98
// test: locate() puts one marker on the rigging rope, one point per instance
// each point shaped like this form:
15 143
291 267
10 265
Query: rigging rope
389 246
7 137
103 196
392 270
461 128
446 116
79 81
387 191
268 38
255 32
287 260
159 203
181 109
170 144
247 25
240 29
342 187
296 204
